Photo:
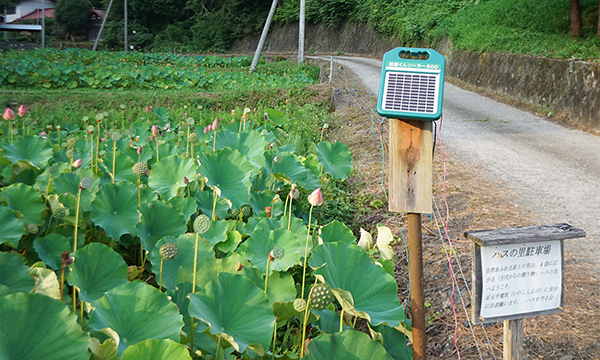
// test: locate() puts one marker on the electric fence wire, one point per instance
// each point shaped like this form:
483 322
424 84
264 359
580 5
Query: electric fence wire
371 115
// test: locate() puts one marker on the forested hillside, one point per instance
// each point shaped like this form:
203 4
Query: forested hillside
540 27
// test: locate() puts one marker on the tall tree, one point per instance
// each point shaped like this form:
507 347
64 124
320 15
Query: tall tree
598 17
72 15
575 18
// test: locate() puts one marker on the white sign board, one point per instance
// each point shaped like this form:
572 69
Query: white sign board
520 278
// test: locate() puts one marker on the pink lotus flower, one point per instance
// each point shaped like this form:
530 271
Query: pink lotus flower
231 122
316 198
210 127
215 124
77 164
147 108
154 130
8 114
22 110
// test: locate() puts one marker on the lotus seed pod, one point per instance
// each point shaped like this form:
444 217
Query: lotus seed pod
33 228
194 138
71 153
115 136
99 117
86 183
168 251
190 121
246 212
299 305
320 296
53 169
140 168
71 143
60 213
278 252
63 145
201 224
90 128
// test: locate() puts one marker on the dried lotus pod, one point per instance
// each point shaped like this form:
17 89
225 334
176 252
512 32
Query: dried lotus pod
168 251
299 305
201 224
320 296
194 138
140 168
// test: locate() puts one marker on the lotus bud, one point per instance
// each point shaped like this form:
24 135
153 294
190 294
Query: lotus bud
205 129
154 130
22 110
139 150
215 124
147 108
152 138
186 181
316 198
77 164
276 159
8 114
269 210
238 266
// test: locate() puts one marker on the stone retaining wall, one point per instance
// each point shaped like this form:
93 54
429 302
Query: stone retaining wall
559 85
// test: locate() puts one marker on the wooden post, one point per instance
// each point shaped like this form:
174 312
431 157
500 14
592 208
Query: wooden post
513 339
411 158
411 151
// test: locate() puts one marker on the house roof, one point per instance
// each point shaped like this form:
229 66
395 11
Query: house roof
100 13
37 14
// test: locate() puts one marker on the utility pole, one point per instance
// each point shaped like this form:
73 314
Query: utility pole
43 23
301 32
125 21
263 37
102 26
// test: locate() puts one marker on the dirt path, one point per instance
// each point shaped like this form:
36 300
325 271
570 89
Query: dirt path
478 199
553 171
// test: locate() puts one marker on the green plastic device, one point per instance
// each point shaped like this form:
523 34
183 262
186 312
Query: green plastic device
412 84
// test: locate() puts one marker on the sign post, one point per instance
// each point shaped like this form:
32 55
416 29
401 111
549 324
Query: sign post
410 95
518 273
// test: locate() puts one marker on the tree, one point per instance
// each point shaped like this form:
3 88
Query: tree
575 18
72 15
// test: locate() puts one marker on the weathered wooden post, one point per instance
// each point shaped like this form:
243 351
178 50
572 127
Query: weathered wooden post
410 95
518 273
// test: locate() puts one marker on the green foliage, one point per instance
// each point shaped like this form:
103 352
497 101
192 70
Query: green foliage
72 15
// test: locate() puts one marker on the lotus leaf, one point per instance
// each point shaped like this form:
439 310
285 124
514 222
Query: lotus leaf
261 199
287 164
24 199
69 183
277 117
11 227
46 282
394 342
347 345
115 209
210 268
159 219
262 241
180 269
185 205
97 269
137 311
14 274
217 232
123 167
250 143
236 310
30 149
335 158
152 349
35 326
50 248
205 204
166 176
234 238
336 231
348 267
229 171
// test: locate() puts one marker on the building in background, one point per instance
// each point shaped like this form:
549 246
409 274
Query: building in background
27 10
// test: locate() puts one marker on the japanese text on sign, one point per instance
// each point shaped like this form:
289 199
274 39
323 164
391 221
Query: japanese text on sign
521 278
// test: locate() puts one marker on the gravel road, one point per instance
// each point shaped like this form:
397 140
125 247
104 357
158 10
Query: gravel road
554 171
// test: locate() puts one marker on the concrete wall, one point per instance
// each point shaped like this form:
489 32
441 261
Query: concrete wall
560 85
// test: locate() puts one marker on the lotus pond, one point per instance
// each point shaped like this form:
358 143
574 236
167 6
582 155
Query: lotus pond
170 234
